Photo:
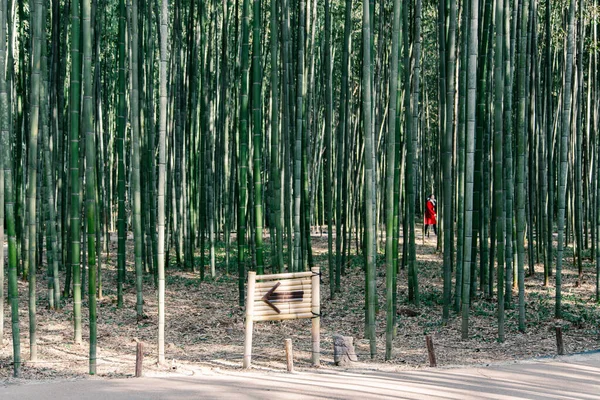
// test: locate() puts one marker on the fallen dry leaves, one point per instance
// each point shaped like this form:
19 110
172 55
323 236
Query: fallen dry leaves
205 325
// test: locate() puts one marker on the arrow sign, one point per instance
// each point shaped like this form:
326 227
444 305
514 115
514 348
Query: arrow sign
271 296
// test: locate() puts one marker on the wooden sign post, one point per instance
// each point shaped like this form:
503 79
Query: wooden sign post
279 297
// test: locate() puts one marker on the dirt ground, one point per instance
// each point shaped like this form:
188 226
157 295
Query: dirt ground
566 377
205 325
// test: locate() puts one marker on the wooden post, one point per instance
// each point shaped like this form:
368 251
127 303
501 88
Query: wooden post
139 359
249 319
559 341
316 320
289 355
429 341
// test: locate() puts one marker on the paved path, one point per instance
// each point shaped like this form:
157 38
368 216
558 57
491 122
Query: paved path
571 377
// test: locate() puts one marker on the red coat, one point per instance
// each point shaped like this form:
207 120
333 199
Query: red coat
430 216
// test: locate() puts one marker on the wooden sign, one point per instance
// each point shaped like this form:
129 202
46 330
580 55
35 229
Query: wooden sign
279 297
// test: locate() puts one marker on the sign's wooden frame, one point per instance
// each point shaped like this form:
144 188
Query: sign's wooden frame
290 301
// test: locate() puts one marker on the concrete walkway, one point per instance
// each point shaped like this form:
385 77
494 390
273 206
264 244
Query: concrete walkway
569 377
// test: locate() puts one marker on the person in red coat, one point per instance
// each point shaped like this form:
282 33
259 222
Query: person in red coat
430 215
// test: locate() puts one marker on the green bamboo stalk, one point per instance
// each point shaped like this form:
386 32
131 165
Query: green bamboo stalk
298 234
306 208
412 169
90 176
596 242
178 133
75 105
498 159
341 158
51 238
486 276
287 125
564 149
210 189
150 146
203 140
243 158
462 89
328 149
135 162
224 126
162 133
9 198
532 82
225 100
21 163
369 184
47 206
508 157
578 174
208 119
550 179
448 184
470 158
398 167
523 94
543 145
32 170
2 201
390 278
481 150
257 133
442 87
275 164
121 122
84 262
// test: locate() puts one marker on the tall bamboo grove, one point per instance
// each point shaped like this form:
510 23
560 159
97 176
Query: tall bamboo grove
145 140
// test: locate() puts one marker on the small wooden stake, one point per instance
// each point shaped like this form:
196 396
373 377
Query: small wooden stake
429 342
249 319
289 355
560 346
139 358
316 319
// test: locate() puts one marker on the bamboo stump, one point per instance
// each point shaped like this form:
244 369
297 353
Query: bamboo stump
343 350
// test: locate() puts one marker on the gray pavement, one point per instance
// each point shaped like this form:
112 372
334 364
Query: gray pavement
569 377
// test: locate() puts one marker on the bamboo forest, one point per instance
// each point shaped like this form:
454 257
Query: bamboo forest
439 161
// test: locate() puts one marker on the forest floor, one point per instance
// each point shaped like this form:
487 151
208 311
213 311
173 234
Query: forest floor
564 377
205 325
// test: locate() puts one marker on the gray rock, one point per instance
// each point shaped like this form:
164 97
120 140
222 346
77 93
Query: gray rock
343 350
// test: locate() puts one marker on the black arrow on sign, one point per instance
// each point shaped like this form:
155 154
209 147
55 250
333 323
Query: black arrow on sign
281 296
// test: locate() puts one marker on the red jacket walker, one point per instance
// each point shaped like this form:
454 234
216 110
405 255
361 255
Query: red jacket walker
430 216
